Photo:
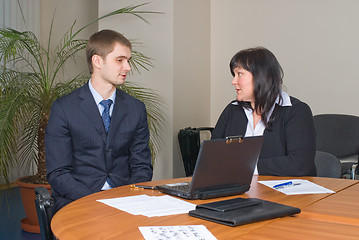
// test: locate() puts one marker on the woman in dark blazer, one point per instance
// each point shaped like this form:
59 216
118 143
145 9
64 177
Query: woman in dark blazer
263 108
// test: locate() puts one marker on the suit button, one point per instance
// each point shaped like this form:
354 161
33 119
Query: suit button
109 150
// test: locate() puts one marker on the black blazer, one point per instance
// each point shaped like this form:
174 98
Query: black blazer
289 145
80 155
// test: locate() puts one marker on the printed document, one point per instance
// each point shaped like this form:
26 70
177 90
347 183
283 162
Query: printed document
297 186
190 232
150 206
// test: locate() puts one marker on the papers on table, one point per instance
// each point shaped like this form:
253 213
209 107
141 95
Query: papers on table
150 206
298 186
192 232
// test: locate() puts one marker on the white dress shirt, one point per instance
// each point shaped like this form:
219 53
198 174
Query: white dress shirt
98 98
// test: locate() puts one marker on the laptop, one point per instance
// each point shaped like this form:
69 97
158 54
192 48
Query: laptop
224 167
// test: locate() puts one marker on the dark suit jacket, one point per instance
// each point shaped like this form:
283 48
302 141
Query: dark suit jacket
289 145
80 155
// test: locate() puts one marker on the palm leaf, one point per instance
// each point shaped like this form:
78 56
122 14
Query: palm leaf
29 83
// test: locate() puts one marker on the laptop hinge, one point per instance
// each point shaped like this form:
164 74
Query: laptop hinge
223 191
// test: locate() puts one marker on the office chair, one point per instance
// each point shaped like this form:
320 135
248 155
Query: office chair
44 202
327 165
189 140
338 134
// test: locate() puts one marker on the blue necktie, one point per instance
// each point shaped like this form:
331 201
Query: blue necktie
106 113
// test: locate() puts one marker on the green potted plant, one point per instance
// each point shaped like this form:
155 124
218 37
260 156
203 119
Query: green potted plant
29 81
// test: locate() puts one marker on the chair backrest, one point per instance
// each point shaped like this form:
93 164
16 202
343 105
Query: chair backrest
44 203
327 165
337 134
189 140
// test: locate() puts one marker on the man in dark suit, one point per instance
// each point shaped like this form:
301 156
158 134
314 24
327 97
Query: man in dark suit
91 144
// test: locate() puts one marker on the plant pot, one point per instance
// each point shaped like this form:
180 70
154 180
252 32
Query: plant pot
27 191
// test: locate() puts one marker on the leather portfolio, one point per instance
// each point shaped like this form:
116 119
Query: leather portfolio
240 211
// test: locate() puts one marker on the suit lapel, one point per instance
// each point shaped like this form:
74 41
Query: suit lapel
88 106
120 110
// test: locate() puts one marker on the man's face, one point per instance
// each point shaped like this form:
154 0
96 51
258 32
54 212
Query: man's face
116 65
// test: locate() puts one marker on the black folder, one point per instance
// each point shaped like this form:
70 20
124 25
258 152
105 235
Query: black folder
240 211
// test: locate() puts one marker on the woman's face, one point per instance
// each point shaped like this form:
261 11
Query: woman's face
243 82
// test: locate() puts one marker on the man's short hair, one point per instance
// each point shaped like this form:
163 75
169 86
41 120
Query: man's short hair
102 43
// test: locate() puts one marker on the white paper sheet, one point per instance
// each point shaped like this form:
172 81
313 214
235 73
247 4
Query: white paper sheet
304 187
150 206
188 232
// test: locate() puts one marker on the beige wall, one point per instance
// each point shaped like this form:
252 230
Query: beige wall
66 12
315 41
192 59
192 42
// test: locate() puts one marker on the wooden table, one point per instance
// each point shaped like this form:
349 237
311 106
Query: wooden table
340 208
86 218
297 228
334 217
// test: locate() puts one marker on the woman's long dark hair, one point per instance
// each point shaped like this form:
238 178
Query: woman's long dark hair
267 78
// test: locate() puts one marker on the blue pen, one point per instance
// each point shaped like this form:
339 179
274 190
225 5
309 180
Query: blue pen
283 185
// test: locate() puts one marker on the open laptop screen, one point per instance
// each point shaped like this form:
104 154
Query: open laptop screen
224 167
223 162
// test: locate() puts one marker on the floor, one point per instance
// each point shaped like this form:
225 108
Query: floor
11 212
